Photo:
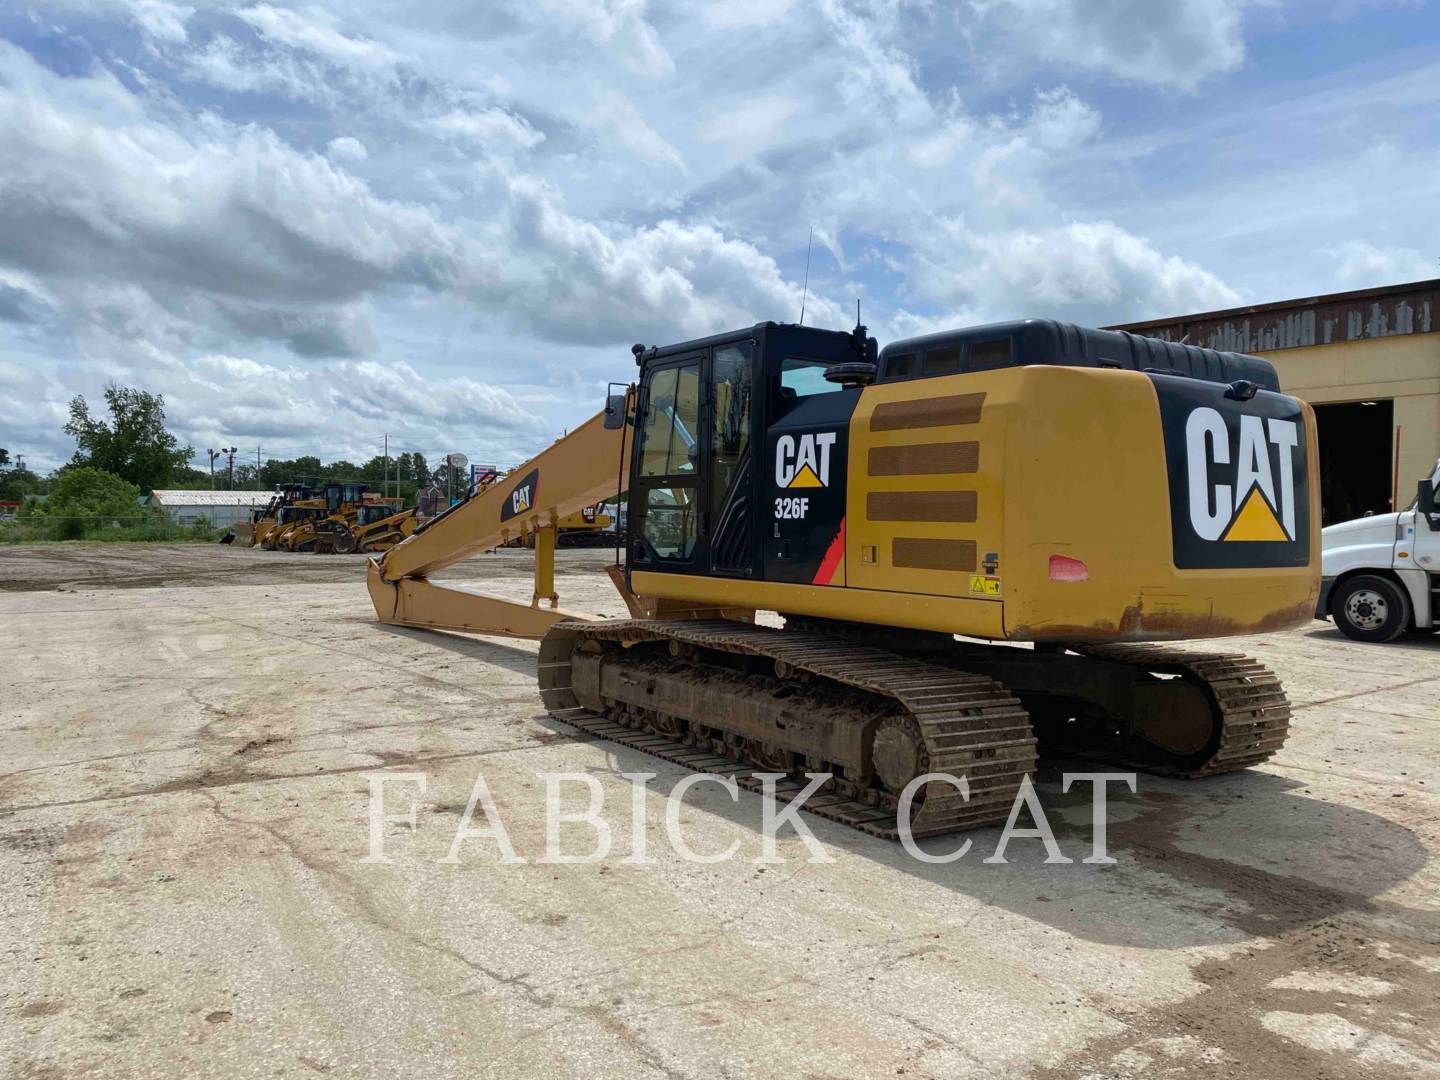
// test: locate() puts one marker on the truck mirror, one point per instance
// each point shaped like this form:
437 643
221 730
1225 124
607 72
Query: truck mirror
1425 501
614 412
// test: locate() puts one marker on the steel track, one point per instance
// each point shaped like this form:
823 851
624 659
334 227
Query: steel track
968 725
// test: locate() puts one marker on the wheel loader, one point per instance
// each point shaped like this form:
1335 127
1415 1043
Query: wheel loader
264 521
979 542
332 529
296 516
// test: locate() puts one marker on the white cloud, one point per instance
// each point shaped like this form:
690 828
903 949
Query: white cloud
752 125
1080 271
161 19
489 126
1172 42
317 35
221 210
225 63
512 192
346 148
1362 265
618 116
618 25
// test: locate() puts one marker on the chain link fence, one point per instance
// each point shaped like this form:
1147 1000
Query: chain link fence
141 528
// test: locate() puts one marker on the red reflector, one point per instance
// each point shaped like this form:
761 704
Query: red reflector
1064 568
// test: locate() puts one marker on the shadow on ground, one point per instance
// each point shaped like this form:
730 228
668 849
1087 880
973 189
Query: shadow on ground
509 657
1201 862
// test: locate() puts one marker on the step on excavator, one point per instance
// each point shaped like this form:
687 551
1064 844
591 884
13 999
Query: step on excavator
979 542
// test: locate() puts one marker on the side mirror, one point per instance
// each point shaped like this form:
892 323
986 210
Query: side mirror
614 412
1425 502
858 373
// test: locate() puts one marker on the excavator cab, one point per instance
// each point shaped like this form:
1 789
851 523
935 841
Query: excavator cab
700 502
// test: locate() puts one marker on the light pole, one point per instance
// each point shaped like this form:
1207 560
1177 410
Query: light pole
213 455
230 451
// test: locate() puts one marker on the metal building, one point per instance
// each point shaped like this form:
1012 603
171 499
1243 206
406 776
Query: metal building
1368 361
220 508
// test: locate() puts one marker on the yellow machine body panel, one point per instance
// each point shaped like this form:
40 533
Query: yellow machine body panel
1039 502
1089 483
1029 504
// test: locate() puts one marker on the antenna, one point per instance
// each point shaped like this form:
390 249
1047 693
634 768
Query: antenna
805 294
857 312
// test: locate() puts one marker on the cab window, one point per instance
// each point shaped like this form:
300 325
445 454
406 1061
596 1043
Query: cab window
672 423
801 378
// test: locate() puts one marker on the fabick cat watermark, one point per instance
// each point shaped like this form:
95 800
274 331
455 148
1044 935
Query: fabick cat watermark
588 836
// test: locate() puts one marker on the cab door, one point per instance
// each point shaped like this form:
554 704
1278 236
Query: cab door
730 520
665 495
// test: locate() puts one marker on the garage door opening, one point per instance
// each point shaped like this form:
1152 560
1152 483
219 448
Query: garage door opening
1356 455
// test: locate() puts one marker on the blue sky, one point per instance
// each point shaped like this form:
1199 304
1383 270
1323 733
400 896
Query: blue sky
311 225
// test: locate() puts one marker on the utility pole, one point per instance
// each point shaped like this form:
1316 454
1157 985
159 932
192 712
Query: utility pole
20 475
230 453
385 483
257 466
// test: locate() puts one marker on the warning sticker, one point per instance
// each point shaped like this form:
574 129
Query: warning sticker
984 586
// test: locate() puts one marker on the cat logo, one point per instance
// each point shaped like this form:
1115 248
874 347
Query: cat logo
521 497
804 463
1252 497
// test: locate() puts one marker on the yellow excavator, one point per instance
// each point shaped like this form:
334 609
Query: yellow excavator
590 527
979 540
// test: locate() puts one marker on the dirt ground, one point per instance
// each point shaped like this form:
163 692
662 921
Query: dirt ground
72 567
185 814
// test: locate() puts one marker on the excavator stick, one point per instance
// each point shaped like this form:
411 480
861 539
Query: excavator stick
584 467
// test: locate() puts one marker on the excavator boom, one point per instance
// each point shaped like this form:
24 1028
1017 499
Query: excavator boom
582 468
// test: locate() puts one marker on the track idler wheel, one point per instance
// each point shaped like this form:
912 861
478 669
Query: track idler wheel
899 754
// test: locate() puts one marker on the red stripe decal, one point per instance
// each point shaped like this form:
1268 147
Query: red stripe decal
834 556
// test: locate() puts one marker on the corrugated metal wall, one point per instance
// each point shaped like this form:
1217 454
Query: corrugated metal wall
1324 320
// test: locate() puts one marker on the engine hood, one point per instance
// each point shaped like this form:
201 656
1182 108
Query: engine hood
1377 528
1366 543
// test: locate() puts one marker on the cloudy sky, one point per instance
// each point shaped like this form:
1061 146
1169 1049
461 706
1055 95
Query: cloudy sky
309 225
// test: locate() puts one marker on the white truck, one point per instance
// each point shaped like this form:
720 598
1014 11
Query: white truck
1380 574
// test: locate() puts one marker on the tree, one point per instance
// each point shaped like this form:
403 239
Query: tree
134 445
4 457
83 492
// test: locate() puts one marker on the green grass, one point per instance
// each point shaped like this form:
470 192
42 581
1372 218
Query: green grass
42 530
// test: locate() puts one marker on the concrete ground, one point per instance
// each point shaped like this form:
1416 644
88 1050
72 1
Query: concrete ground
183 818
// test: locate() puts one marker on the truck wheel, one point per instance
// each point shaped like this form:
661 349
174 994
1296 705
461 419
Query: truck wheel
1370 609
